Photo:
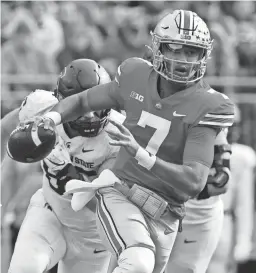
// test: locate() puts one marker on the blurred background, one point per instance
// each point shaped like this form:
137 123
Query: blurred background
39 38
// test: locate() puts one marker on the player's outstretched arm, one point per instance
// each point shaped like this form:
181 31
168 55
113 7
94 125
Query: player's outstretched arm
8 124
99 97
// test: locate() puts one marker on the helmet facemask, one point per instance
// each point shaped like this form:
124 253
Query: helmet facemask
91 124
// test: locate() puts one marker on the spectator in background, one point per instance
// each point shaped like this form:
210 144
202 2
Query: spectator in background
83 39
223 60
131 36
6 15
235 243
21 57
241 21
243 10
111 65
48 37
246 49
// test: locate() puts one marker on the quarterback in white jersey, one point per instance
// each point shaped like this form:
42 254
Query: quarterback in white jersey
202 225
51 231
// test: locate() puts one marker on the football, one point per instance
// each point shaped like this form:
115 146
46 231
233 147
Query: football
27 146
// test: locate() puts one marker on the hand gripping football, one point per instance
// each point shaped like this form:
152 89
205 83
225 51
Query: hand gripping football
26 145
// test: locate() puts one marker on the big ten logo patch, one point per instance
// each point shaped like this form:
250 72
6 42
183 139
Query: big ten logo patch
137 96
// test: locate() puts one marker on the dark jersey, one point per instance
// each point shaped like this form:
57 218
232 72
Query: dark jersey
162 126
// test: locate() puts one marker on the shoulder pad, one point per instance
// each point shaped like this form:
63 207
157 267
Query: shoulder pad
218 110
37 103
129 66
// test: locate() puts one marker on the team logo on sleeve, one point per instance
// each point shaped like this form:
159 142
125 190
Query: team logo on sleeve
137 96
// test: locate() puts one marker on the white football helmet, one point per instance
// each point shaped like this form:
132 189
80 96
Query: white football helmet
176 30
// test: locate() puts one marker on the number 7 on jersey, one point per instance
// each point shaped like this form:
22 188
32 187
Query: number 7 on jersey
162 127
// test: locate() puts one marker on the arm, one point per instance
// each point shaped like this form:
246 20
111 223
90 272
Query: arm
99 97
8 124
190 177
218 180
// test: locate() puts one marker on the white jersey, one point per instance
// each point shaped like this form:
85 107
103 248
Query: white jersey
86 154
239 200
243 160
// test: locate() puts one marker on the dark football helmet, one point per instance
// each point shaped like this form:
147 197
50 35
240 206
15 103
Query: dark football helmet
76 77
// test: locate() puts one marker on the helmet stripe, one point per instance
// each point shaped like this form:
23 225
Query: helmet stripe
186 22
181 20
191 24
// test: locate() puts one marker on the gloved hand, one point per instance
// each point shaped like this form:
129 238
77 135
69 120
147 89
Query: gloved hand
48 124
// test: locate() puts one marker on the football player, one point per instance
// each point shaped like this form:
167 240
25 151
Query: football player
202 225
52 232
204 218
236 240
167 140
204 214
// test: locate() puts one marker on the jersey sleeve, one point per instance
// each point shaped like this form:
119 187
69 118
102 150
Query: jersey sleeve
220 115
125 69
129 74
37 103
200 146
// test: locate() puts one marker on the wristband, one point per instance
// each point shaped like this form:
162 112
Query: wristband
145 159
54 116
